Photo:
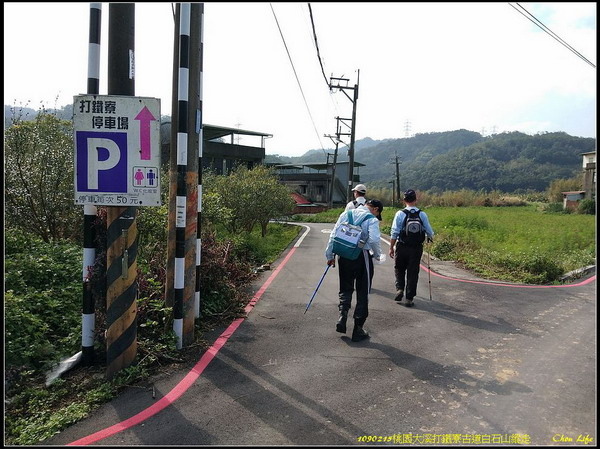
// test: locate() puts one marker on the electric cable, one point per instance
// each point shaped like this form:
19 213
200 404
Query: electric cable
547 30
314 30
317 45
297 79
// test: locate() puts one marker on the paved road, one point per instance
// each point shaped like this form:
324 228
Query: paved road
479 363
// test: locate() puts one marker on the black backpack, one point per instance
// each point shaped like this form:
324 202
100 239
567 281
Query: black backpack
413 232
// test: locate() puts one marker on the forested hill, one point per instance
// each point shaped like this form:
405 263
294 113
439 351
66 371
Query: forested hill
451 160
460 159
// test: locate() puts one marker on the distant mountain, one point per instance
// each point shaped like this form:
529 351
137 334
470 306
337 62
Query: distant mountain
320 156
462 159
451 160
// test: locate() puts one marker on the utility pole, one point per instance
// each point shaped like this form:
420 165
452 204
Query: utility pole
90 215
337 142
332 183
354 100
397 178
122 291
396 162
183 251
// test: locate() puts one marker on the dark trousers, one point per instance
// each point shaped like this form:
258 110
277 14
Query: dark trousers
356 274
406 268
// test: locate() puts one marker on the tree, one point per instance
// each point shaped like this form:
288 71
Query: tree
38 170
247 197
273 199
563 185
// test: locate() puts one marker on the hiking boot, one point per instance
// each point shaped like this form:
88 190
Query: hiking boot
409 303
359 333
341 322
399 295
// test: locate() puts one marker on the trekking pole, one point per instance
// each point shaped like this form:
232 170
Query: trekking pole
313 296
429 270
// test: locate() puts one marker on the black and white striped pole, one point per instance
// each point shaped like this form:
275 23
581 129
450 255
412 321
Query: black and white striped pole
197 310
181 198
88 317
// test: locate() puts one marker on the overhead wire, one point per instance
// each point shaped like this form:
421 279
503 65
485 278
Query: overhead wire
317 45
547 30
314 32
297 79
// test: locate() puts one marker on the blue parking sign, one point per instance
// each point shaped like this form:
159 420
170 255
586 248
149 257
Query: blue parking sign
102 162
117 150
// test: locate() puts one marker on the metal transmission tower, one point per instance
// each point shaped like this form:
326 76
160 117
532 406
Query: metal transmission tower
352 127
407 128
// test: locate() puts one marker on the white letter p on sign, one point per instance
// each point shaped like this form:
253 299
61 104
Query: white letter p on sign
94 145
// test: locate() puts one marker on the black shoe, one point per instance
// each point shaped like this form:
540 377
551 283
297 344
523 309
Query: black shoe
359 333
399 295
341 323
409 303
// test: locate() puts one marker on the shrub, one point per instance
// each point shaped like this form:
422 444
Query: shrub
555 208
531 267
39 178
587 206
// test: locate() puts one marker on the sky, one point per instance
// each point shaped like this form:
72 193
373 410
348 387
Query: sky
420 67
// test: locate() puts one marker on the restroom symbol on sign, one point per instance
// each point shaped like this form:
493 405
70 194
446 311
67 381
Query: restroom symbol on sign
145 177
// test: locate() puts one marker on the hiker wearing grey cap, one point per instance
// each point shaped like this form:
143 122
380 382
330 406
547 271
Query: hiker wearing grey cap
359 197
410 227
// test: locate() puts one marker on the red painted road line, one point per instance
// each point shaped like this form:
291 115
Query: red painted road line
190 378
500 284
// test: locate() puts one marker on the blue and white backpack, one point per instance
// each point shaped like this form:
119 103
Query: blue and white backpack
346 240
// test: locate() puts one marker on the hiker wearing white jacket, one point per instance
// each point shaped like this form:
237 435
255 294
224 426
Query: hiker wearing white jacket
359 193
357 274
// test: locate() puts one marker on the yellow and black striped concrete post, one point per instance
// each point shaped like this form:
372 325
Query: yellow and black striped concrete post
121 295
121 254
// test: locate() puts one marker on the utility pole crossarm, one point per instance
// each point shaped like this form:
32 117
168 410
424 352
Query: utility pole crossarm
354 100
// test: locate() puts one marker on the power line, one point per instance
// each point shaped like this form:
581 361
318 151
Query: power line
550 32
297 79
317 45
314 31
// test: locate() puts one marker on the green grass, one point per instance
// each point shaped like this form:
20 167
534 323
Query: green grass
268 249
519 244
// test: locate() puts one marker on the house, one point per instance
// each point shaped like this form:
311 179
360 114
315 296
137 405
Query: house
314 181
571 199
304 206
221 149
589 175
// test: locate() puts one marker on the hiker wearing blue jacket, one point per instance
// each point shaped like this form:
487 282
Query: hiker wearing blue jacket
407 248
357 273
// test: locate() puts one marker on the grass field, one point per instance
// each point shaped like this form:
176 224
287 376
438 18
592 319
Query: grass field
518 244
